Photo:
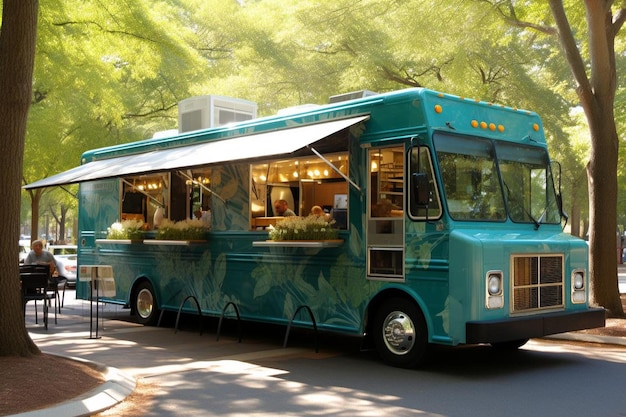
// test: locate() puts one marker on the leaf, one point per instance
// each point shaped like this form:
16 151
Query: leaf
262 287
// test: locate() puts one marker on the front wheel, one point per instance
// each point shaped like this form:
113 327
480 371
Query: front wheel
400 333
145 305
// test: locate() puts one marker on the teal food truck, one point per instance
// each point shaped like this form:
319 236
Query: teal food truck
447 218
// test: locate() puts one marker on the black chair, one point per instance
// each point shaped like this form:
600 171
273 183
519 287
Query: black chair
61 285
35 287
56 284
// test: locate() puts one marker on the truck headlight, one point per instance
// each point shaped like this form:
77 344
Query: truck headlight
579 280
579 295
494 284
494 291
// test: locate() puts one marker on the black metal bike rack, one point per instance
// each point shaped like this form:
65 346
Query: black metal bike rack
219 325
312 319
180 309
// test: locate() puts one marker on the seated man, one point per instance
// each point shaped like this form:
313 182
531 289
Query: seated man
282 209
38 256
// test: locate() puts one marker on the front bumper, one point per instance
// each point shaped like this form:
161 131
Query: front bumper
516 328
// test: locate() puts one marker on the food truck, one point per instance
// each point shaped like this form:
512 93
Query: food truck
447 216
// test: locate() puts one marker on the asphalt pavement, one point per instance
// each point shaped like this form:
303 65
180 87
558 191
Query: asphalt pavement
126 351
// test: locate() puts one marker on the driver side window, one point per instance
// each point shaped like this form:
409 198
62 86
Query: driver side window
423 203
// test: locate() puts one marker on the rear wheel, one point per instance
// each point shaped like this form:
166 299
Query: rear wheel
145 304
400 333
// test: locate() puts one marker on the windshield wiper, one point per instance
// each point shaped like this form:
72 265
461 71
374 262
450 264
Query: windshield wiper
521 205
543 216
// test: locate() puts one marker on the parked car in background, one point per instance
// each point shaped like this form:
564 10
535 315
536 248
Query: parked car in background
24 248
66 257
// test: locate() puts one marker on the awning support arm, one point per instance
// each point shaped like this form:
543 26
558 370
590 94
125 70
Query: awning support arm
69 192
154 200
204 187
334 168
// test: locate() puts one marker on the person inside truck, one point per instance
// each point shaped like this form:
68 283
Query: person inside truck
282 209
317 211
204 214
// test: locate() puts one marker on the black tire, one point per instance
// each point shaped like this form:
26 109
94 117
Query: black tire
145 304
400 333
509 346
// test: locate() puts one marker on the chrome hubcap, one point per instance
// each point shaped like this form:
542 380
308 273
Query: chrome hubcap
398 333
145 303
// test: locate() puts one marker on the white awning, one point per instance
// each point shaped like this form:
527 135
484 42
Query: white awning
273 143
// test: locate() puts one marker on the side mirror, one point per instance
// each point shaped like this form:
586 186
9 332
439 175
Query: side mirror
420 188
559 203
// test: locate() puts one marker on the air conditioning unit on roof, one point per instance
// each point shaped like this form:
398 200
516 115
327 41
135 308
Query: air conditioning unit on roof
351 96
202 112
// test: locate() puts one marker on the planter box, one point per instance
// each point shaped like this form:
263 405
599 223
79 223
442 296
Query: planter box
300 243
173 242
118 241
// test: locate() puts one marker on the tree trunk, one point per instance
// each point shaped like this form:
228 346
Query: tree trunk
17 54
35 198
598 101
597 95
60 222
602 169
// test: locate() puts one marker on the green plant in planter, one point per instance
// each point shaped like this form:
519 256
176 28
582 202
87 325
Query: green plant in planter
126 229
303 228
190 229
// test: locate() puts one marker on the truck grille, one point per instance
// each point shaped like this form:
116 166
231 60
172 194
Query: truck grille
537 282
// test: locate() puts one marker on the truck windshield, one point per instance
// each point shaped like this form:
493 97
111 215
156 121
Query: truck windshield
528 184
473 169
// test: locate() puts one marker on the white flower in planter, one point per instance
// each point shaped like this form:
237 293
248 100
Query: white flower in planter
303 228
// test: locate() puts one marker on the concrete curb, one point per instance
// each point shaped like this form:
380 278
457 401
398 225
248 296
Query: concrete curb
116 387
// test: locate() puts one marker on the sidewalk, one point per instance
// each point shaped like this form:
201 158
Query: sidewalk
126 352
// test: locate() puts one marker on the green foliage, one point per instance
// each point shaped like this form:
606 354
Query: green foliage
112 73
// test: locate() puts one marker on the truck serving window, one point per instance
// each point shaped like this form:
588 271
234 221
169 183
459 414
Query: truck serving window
143 195
303 183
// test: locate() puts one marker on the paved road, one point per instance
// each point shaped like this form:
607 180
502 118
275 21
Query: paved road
198 375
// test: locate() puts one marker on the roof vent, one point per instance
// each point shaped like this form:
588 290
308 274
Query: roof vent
351 96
